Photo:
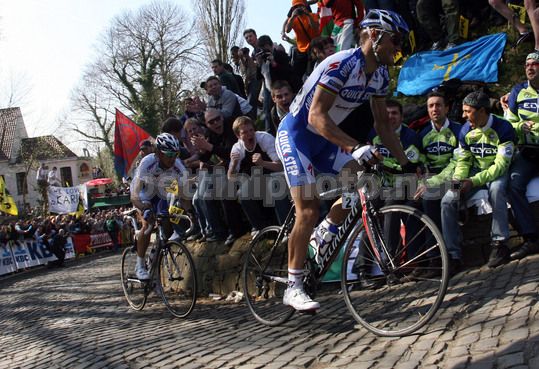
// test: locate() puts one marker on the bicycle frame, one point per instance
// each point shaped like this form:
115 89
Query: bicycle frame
363 210
159 247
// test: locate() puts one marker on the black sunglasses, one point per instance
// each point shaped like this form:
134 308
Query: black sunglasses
170 154
396 38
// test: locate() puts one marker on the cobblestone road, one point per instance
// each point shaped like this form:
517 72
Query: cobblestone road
76 317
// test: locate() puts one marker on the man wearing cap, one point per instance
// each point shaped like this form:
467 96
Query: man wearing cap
523 113
146 148
483 159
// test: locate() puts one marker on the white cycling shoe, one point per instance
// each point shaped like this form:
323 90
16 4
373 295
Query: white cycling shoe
141 272
299 300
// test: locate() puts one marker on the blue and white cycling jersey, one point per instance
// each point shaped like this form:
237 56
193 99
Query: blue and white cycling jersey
155 180
341 74
301 149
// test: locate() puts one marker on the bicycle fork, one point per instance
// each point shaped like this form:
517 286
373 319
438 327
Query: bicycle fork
374 234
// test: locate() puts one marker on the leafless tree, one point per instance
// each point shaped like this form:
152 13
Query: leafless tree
30 153
141 67
220 24
96 125
15 90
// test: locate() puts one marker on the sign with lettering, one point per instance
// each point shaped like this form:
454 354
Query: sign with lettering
63 200
27 253
7 263
100 240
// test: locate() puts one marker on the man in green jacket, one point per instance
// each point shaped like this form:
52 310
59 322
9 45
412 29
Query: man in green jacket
483 159
523 113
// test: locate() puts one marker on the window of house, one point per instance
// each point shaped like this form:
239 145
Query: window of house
65 175
22 185
84 170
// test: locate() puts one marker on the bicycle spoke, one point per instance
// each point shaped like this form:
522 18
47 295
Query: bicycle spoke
405 297
135 290
177 279
265 277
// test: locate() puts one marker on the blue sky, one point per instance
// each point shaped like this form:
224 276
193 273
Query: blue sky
45 45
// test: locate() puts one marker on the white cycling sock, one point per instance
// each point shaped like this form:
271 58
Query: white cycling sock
295 278
330 225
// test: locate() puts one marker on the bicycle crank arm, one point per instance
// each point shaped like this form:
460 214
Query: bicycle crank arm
276 279
176 279
141 281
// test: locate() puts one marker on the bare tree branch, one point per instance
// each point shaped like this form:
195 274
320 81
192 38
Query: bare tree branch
220 25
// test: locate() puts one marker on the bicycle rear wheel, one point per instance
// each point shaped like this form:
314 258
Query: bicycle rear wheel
177 279
135 290
265 277
396 291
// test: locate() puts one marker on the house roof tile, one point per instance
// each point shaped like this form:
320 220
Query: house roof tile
48 147
8 127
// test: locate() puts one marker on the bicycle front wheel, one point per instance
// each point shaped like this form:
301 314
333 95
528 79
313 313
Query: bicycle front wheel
135 290
265 277
177 279
394 289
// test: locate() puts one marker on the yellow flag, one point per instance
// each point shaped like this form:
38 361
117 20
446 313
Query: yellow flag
80 210
7 204
411 38
519 11
464 25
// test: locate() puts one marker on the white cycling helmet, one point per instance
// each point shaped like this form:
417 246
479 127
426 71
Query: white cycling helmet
167 142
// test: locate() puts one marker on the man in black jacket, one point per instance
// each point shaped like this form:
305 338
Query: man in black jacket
218 145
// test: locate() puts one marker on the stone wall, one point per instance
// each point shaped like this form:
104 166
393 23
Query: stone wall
219 267
476 235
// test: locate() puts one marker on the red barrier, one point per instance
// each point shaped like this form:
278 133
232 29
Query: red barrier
100 240
84 243
81 243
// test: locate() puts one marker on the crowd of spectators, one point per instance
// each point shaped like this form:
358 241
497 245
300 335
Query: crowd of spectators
52 231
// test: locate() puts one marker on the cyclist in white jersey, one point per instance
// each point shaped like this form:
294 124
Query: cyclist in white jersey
309 138
155 173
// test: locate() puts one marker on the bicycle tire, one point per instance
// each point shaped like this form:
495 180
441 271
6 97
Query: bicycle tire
177 279
398 302
265 276
135 291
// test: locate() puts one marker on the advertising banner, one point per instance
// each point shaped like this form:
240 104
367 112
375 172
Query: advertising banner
100 240
7 263
28 253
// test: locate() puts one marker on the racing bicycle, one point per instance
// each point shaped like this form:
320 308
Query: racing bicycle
171 268
394 269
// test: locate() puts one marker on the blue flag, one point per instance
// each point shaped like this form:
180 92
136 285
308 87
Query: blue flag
471 61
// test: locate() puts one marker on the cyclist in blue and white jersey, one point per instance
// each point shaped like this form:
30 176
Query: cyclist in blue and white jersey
309 137
155 173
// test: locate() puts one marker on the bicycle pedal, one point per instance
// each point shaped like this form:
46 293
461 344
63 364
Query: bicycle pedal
307 312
